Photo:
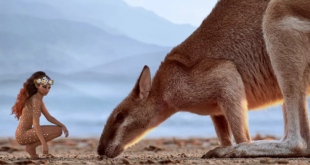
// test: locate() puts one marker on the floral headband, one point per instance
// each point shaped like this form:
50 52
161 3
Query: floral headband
44 81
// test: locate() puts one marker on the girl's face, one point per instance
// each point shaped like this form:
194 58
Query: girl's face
44 89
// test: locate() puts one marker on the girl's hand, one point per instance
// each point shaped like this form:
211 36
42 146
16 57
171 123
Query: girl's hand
64 128
45 149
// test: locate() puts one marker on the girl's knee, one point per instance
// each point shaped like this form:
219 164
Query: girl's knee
59 131
56 130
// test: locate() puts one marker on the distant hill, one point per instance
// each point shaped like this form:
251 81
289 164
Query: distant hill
132 65
135 22
61 44
36 9
18 54
40 10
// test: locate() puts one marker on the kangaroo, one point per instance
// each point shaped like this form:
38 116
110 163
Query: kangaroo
246 55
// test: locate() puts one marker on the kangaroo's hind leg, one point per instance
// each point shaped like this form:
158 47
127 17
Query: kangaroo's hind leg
288 44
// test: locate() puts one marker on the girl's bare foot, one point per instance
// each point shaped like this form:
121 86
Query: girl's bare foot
32 152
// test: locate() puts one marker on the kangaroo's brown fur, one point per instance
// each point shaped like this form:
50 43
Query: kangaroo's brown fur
223 70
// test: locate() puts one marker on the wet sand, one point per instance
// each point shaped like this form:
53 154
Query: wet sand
147 151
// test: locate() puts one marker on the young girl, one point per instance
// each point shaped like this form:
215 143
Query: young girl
28 106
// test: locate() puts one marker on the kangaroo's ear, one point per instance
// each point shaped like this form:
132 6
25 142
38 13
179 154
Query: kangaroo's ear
143 84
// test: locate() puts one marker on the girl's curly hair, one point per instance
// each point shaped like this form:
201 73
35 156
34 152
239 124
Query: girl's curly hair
26 92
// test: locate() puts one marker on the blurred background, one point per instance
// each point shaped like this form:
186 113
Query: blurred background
95 51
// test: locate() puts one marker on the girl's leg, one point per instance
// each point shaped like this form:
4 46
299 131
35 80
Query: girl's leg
49 132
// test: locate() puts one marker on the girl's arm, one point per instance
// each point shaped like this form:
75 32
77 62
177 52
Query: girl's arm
52 119
36 106
49 117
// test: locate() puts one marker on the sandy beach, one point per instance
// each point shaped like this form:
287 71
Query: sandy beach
147 151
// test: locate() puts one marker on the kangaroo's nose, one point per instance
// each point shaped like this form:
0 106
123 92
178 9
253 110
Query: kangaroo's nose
100 150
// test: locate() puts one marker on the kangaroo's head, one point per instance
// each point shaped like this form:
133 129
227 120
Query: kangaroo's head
131 119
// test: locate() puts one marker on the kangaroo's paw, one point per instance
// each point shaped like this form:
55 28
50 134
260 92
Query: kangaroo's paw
264 149
215 153
223 152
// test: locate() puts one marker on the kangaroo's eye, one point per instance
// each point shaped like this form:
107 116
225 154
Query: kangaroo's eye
120 117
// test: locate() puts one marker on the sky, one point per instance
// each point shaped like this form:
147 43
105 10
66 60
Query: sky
184 11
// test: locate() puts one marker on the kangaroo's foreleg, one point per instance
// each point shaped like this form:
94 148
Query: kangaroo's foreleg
232 102
223 84
222 129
